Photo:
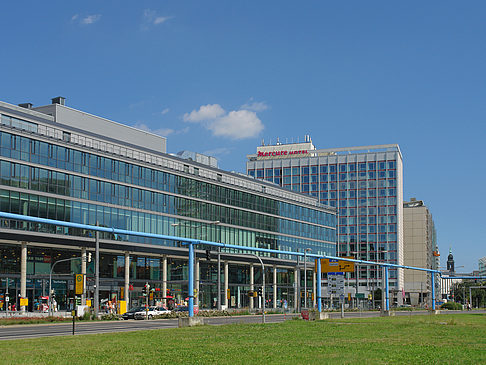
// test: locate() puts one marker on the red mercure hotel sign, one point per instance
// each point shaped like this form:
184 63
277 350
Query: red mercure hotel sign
282 153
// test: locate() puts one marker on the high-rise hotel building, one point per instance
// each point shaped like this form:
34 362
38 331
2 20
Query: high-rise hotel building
363 183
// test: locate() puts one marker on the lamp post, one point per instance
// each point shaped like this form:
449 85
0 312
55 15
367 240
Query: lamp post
263 286
305 276
50 279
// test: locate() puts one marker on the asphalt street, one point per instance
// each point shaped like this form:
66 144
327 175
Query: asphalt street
12 332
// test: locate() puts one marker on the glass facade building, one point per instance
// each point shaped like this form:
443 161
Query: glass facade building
363 183
64 164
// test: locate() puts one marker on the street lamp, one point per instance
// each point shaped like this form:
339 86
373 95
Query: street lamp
50 279
263 286
305 276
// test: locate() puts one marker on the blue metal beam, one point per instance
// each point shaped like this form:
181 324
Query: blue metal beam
319 290
192 242
463 277
432 283
387 302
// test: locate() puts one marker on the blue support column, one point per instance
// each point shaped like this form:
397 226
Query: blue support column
191 279
432 283
319 300
387 297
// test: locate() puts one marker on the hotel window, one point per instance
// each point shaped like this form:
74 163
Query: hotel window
323 169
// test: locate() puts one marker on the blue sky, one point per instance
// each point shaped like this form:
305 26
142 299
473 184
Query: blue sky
347 73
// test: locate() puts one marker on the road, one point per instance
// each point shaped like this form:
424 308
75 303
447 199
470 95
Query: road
12 332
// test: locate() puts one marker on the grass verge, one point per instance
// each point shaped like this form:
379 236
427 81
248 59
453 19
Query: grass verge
443 339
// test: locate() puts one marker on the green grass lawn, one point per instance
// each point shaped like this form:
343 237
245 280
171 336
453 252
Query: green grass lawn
441 339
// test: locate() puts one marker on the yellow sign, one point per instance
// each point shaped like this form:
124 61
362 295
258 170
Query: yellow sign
24 302
122 307
79 284
228 293
349 297
88 302
334 265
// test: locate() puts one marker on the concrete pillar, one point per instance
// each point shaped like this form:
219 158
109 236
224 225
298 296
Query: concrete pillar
164 280
23 272
314 289
197 280
274 286
127 280
226 284
83 272
252 281
296 289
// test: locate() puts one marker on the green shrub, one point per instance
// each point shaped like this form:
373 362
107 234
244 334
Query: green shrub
110 317
451 306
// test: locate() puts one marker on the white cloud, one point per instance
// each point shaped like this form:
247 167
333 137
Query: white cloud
205 113
150 17
237 125
161 19
255 106
164 132
165 111
90 19
74 17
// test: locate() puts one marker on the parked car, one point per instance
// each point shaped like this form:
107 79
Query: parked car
150 313
131 312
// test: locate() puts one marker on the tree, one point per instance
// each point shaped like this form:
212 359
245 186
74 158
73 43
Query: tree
478 295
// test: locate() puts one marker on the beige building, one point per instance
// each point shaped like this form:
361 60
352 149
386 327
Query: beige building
420 250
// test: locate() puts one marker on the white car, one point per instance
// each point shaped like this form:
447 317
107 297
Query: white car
150 312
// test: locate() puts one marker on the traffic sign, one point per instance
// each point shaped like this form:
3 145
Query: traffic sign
79 284
335 283
335 265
